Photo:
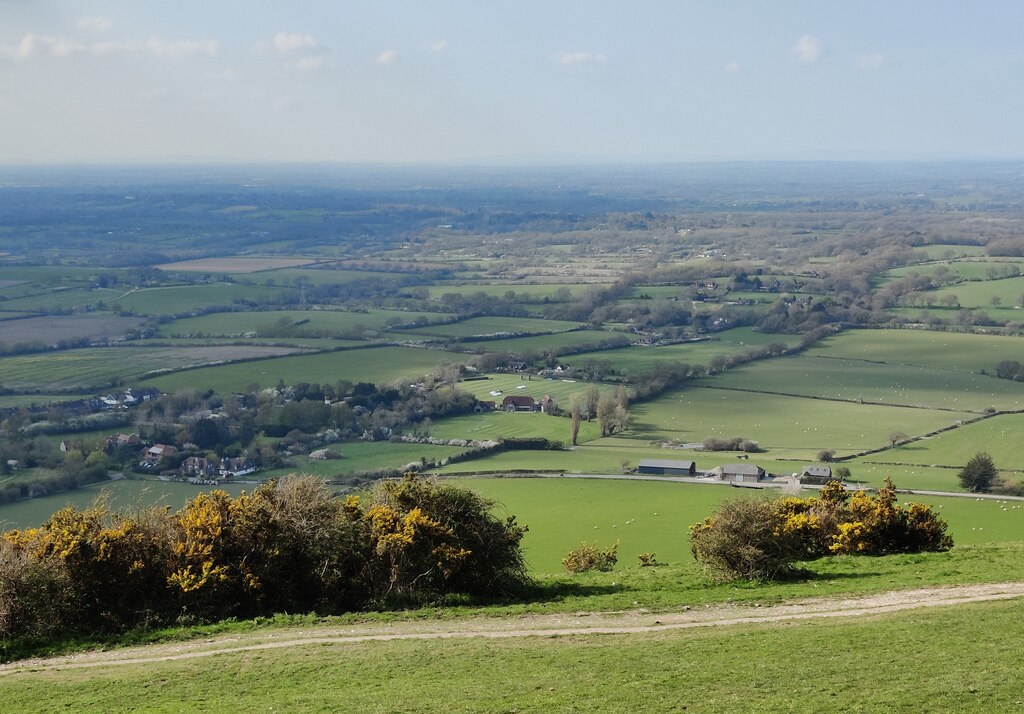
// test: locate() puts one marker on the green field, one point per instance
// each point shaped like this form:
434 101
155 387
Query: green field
957 658
62 299
531 292
541 344
788 427
128 493
364 456
379 365
936 251
485 326
315 276
999 436
178 299
939 350
966 269
1009 291
561 390
493 425
320 321
99 367
636 359
870 381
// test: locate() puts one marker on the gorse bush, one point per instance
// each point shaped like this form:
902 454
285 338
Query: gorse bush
287 546
589 557
764 539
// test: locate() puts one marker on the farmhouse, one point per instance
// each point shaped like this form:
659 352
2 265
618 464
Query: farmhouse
816 474
666 467
517 403
156 453
738 473
116 441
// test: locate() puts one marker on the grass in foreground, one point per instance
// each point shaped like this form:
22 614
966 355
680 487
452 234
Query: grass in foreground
958 659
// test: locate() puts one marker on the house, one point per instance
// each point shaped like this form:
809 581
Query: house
517 403
116 441
240 466
738 473
817 474
488 406
198 466
666 467
157 453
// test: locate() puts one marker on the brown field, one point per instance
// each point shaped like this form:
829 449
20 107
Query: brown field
50 330
235 264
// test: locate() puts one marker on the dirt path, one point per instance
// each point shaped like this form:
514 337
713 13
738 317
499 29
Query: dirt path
567 624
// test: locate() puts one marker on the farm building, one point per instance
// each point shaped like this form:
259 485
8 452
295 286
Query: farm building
666 467
816 474
516 403
738 473
488 406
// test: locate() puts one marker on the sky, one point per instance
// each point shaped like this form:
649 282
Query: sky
500 82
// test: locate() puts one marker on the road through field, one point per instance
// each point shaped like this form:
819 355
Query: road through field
637 622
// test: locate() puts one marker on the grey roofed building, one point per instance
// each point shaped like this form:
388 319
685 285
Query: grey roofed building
667 467
740 473
816 474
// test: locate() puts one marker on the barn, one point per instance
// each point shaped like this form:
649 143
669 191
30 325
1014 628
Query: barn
666 467
739 473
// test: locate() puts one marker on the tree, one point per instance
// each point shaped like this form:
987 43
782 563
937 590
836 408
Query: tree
575 418
896 437
979 473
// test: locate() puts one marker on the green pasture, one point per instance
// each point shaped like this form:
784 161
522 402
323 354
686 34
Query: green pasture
884 383
1000 436
27 400
636 359
484 326
541 344
965 269
379 365
499 424
647 516
363 456
177 299
925 348
127 493
310 343
953 316
63 299
326 321
561 390
315 276
523 291
1009 291
788 427
100 367
957 659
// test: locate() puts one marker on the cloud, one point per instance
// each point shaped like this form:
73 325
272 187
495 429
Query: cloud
180 49
732 67
387 57
581 58
873 61
439 46
808 48
290 42
94 24
32 46
306 64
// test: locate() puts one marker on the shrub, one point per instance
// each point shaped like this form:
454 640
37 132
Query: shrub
589 557
761 540
647 560
979 474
